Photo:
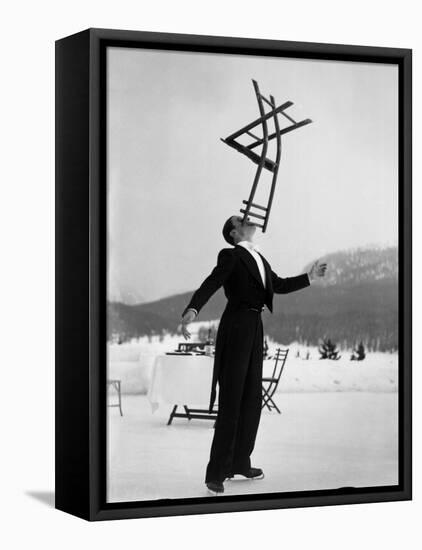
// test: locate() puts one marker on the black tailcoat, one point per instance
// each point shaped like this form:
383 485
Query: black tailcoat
238 352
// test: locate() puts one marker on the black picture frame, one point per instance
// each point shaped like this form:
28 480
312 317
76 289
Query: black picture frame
81 273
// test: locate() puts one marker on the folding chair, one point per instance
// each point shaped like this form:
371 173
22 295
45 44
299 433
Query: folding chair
262 160
117 386
269 384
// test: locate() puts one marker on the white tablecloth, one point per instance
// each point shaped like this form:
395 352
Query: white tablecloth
181 380
184 380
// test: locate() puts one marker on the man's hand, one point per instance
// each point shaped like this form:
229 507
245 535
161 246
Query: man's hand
187 318
317 270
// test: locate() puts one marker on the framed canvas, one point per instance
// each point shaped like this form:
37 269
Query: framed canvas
233 276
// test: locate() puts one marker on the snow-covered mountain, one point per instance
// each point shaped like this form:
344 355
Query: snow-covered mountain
357 300
359 265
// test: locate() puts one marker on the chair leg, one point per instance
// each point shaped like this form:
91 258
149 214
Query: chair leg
266 405
120 397
265 398
170 420
187 412
274 406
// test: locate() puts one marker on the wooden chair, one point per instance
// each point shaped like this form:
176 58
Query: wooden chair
117 386
269 384
261 159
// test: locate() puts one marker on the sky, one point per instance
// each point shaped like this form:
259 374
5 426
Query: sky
171 181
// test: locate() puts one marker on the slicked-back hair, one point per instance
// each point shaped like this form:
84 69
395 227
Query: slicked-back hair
227 228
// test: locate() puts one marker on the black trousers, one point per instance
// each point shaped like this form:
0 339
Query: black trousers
239 394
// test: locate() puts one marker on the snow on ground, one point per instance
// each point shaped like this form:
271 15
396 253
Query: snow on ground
320 441
338 427
132 363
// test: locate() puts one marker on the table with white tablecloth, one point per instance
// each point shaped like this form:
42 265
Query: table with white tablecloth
184 380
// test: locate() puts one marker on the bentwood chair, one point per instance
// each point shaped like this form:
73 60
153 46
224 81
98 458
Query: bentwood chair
263 161
270 384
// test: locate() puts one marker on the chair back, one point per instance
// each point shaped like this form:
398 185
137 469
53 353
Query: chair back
279 362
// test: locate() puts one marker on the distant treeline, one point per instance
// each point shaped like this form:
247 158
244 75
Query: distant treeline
377 334
346 330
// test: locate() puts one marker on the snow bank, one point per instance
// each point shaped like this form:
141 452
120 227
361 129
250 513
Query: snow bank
132 363
378 374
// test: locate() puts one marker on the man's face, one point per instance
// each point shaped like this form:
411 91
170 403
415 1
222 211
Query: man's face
242 231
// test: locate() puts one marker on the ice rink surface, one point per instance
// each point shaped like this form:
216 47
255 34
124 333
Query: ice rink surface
322 440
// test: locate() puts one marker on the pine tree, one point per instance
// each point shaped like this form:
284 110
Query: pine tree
328 350
358 353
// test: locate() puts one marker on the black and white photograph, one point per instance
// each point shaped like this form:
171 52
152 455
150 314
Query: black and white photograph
252 275
210 264
210 275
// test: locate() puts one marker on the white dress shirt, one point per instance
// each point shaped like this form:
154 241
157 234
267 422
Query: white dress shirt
252 248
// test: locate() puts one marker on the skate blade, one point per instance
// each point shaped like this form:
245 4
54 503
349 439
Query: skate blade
239 477
214 493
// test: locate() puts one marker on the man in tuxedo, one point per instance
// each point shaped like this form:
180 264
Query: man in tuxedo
249 284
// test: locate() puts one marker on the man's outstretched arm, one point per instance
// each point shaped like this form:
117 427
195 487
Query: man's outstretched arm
291 284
